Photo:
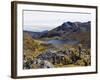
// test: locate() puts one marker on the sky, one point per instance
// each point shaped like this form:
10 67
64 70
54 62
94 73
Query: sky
46 20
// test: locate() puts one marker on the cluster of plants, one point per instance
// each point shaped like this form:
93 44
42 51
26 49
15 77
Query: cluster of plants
74 57
60 56
77 56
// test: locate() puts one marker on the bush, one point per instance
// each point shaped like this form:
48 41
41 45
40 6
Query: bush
80 63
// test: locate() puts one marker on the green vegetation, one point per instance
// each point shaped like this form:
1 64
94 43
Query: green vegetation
65 55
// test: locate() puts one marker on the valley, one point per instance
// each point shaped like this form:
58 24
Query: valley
67 45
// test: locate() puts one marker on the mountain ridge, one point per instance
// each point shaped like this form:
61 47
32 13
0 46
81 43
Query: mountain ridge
79 31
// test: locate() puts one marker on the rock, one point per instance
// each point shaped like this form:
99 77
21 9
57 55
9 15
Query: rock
43 63
55 58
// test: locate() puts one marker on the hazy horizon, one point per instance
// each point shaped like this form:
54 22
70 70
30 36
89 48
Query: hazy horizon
40 21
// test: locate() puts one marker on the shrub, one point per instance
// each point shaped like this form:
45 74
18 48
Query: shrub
80 63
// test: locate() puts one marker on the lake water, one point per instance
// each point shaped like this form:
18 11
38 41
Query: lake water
62 42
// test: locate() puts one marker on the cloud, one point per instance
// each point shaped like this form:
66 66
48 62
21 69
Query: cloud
50 20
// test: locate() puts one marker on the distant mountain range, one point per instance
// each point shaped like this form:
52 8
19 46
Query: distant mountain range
66 29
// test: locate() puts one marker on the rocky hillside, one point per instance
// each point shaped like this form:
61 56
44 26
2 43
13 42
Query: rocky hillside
67 31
